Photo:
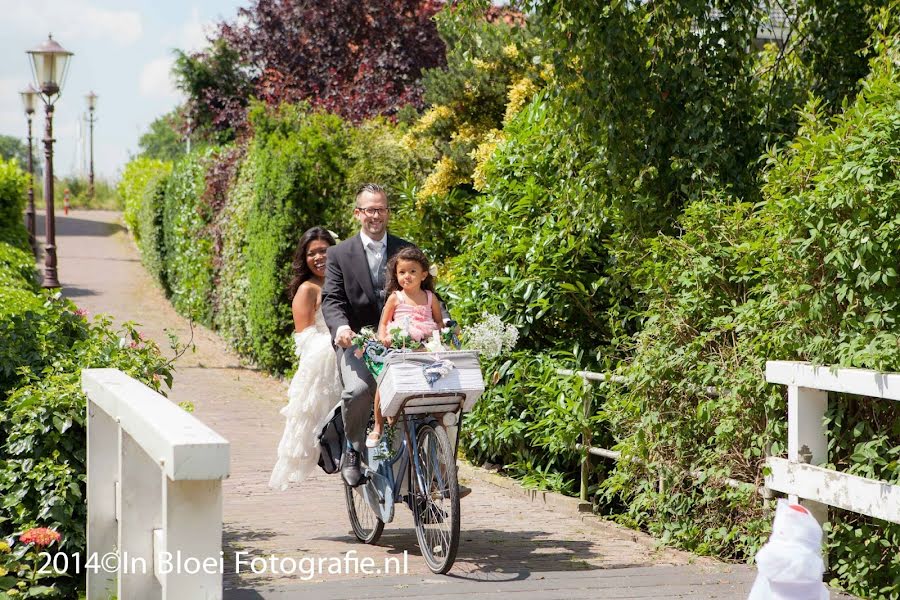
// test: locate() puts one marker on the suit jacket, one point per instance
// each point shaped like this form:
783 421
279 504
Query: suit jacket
348 297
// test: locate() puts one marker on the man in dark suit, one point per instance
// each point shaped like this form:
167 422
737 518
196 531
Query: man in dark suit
353 298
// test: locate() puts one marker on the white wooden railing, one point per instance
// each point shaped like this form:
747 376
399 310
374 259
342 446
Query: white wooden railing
154 493
797 475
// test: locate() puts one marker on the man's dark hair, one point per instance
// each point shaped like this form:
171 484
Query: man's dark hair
372 188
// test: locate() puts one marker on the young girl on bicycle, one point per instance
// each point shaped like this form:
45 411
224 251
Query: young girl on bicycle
411 305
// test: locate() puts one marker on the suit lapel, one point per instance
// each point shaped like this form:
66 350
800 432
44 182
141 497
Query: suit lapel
392 246
360 264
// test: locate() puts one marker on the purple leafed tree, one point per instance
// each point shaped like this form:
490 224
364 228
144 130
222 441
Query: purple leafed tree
357 58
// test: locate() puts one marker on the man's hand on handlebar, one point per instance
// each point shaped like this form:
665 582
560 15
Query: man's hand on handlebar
345 338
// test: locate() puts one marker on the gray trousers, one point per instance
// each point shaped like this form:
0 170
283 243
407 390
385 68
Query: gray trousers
357 397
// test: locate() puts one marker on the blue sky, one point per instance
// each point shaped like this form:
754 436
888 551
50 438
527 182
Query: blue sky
123 52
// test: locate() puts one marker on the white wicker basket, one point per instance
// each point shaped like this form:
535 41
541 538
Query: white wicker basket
403 380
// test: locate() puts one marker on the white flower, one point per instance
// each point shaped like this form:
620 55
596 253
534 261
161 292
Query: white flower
122 342
491 336
433 270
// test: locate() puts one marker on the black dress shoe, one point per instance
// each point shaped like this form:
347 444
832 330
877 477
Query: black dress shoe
350 471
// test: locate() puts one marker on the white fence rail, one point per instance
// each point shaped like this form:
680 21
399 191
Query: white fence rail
808 388
154 492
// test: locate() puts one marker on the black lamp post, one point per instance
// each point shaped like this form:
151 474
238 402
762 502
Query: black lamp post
49 63
92 104
29 100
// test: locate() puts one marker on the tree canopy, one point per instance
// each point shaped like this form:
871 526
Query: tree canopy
357 59
163 140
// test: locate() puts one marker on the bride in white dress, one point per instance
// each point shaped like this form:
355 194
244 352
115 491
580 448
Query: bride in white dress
315 387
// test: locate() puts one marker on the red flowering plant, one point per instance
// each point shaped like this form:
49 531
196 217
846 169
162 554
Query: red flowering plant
40 537
22 566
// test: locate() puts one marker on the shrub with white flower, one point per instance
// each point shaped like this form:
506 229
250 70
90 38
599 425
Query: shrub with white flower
490 335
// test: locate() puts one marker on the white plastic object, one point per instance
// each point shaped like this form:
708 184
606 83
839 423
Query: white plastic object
790 565
449 419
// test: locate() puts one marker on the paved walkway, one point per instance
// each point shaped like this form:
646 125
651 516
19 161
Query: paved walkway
509 544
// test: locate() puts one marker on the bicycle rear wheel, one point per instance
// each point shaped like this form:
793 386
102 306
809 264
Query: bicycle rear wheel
437 498
366 524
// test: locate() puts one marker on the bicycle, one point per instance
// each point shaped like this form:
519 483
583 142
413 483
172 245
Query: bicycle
424 455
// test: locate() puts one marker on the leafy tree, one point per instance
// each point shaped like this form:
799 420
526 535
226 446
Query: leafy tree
218 88
678 103
164 139
355 58
493 69
833 40
13 147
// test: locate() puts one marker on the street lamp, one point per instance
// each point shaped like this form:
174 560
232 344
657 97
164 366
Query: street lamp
29 101
92 104
49 63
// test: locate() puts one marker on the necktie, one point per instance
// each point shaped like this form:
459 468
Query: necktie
377 269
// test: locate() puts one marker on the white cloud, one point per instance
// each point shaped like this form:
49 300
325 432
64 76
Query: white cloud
71 20
193 33
191 36
156 79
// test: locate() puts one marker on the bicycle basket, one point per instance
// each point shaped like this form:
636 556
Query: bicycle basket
403 383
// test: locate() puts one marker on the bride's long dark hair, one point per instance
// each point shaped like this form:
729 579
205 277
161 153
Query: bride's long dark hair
299 269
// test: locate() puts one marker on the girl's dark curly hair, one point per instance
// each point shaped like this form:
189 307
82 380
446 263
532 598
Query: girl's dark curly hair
407 253
299 269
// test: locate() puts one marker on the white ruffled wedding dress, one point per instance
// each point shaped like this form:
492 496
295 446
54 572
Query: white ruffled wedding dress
313 392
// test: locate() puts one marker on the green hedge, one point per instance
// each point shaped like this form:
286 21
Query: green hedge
138 176
232 312
17 268
297 160
150 232
187 240
13 185
223 255
534 252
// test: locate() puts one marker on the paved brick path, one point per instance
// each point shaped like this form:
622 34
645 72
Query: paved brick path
508 543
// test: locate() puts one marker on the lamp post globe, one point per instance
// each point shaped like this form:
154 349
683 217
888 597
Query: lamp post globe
91 98
29 103
49 64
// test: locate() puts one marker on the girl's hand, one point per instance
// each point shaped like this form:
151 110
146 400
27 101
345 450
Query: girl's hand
386 341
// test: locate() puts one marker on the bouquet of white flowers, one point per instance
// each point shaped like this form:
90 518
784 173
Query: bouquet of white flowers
490 336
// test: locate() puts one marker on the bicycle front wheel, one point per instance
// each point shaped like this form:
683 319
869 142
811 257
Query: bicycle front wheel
367 526
437 498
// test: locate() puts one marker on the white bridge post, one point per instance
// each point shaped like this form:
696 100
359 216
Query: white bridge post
154 497
807 437
139 513
102 517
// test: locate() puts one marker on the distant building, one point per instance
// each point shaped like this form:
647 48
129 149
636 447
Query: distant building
776 30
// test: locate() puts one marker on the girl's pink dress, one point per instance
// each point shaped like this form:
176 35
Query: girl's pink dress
416 320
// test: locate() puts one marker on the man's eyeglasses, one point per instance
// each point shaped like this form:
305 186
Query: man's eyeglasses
373 212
